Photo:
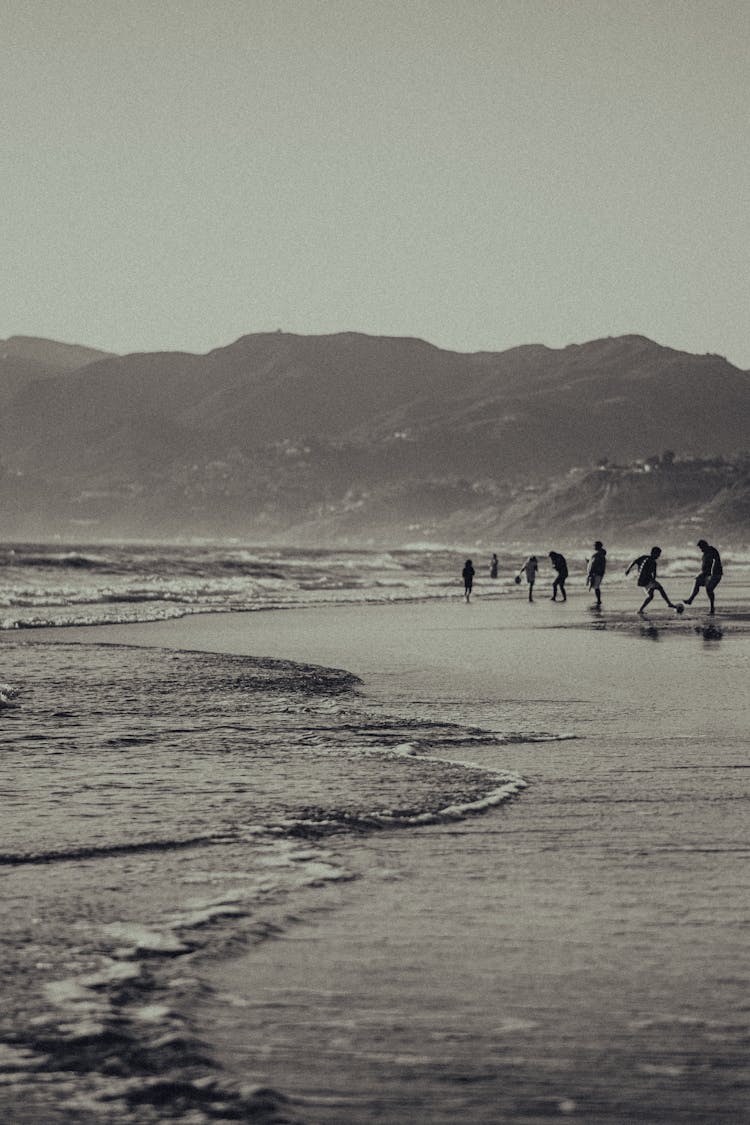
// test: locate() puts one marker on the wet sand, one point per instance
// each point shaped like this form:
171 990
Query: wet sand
580 952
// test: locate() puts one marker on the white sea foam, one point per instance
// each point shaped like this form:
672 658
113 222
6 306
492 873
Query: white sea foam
41 587
8 696
143 939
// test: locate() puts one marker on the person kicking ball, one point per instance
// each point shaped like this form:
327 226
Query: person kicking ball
647 579
710 575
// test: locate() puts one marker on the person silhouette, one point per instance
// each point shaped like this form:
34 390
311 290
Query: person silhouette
711 573
493 566
561 566
529 568
597 567
647 578
468 576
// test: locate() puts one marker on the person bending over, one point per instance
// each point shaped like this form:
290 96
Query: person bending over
561 566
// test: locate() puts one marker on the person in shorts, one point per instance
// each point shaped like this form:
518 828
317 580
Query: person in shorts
597 567
710 575
647 578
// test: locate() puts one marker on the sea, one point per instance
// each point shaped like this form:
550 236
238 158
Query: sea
169 809
42 585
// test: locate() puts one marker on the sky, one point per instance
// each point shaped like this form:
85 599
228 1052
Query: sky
478 173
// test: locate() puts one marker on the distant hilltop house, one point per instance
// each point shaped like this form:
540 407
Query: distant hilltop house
669 460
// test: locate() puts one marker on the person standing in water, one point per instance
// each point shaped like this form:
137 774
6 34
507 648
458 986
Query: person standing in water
710 575
561 566
529 568
597 567
647 578
468 576
493 566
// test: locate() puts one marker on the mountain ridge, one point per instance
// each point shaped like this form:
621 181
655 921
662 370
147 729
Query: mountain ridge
277 433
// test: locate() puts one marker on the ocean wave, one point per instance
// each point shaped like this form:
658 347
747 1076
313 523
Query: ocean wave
106 851
113 1036
382 735
498 787
155 612
254 569
327 824
247 767
34 580
300 755
178 604
66 560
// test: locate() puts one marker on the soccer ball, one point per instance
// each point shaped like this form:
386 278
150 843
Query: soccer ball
680 607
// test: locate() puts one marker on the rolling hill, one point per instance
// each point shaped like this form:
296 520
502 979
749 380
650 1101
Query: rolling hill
353 437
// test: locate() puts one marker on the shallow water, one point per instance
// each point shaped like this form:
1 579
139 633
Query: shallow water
159 804
213 860
581 953
43 585
47 585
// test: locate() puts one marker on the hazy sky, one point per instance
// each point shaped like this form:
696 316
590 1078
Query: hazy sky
480 173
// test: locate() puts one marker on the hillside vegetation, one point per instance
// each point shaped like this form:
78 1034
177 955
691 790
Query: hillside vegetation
357 438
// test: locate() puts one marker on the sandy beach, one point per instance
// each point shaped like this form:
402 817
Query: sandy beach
578 951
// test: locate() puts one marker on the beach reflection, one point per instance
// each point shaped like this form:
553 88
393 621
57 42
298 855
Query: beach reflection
711 634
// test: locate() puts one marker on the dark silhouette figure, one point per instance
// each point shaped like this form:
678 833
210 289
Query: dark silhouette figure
529 568
493 566
468 577
561 566
597 567
710 575
647 578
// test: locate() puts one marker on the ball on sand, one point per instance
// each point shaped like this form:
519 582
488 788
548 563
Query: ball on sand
680 607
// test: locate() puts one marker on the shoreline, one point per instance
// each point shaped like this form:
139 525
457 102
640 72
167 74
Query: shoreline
239 632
